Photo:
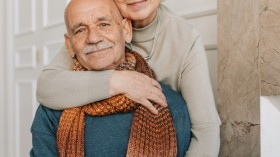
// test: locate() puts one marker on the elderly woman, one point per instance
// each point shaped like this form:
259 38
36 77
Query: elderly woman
172 48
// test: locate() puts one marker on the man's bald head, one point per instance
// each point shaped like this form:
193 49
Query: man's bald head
76 5
96 33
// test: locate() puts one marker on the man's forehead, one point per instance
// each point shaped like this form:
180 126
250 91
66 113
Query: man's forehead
85 12
91 13
89 5
73 22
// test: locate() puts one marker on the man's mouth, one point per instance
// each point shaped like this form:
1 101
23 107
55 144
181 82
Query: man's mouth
97 51
97 48
135 3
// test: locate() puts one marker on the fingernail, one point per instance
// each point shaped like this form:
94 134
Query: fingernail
156 112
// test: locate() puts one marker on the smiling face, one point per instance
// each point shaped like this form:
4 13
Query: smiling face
141 12
96 33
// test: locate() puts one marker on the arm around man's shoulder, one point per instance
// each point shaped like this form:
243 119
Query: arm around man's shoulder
58 87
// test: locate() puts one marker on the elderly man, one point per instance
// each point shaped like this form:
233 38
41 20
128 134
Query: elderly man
96 37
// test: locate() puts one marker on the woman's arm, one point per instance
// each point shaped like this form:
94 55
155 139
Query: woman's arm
197 91
58 87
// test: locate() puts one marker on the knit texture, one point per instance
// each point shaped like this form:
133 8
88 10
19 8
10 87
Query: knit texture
150 135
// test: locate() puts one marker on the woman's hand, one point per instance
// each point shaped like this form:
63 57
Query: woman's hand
139 88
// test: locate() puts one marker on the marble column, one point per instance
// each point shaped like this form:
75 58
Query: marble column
239 77
270 47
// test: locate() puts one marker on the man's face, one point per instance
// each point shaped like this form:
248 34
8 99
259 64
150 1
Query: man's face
96 33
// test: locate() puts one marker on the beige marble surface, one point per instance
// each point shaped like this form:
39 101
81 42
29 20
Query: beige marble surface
270 47
238 77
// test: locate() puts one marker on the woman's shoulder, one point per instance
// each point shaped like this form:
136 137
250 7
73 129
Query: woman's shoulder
177 24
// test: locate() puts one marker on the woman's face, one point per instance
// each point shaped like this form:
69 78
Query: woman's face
142 11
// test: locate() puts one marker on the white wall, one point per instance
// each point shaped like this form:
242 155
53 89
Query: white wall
188 5
2 79
270 126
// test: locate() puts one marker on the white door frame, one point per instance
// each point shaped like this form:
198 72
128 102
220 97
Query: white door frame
9 80
14 141
2 80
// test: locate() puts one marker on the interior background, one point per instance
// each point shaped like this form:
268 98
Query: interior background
31 33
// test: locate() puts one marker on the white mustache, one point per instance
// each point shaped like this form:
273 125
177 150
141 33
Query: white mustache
96 47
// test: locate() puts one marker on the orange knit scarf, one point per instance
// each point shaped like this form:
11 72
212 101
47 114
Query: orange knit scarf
150 136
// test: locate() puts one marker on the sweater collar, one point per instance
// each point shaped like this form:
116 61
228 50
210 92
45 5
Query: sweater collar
148 33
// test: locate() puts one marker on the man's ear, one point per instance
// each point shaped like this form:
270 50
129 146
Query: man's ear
68 45
127 30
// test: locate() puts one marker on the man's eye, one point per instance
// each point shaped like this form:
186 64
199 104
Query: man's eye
81 30
104 25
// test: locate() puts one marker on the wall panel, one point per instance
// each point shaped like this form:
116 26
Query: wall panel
50 17
25 15
209 33
25 89
2 80
50 50
25 57
183 5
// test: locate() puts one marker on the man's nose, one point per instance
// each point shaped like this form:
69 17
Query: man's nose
94 36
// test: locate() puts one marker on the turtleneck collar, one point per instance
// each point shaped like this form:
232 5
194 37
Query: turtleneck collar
148 33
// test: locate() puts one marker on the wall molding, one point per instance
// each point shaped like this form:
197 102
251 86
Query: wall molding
47 23
198 12
10 108
16 25
20 62
2 79
47 54
18 130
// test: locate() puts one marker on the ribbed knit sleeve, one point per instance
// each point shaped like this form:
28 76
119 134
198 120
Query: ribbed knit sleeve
58 87
196 89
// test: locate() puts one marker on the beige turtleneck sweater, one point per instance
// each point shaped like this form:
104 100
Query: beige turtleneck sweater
179 60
